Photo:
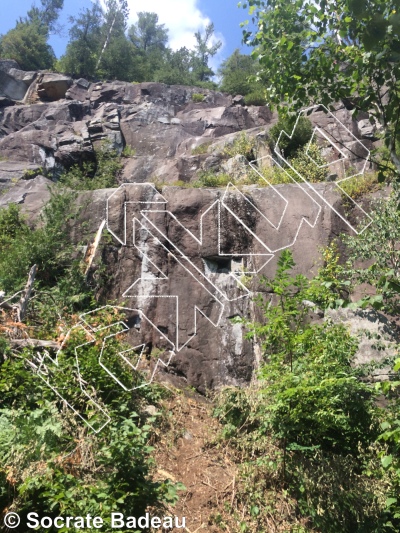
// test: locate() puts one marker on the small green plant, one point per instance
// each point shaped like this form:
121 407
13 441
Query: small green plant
241 145
128 151
361 185
306 432
309 163
198 98
378 244
201 149
210 179
102 174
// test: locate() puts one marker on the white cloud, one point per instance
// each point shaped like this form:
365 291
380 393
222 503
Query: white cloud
182 17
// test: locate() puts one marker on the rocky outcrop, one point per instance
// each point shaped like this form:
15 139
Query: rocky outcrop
181 259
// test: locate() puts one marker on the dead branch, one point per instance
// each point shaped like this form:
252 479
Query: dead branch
26 294
36 343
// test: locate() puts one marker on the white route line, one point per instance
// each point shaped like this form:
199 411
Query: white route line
181 258
277 152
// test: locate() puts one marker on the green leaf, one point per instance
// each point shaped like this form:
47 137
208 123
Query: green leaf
390 501
387 461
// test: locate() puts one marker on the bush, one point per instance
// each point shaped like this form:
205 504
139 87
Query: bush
102 174
198 97
49 461
210 179
301 136
201 149
310 164
241 145
256 98
307 429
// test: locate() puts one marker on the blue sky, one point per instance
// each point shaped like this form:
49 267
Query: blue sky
183 17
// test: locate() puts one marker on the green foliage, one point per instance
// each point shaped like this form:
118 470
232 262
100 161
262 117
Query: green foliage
330 288
309 164
12 224
175 68
46 246
47 15
390 456
198 98
302 47
255 97
51 463
211 179
308 428
202 53
102 174
235 73
85 37
299 137
27 44
361 185
379 244
201 149
241 145
128 151
147 33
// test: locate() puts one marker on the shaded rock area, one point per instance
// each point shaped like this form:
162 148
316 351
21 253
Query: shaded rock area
180 260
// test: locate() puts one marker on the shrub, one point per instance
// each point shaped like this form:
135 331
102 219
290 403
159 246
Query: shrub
198 97
241 145
210 179
361 185
128 151
378 244
310 164
102 174
300 137
256 98
307 429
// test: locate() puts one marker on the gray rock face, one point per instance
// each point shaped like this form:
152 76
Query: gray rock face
31 195
378 336
53 87
7 64
183 268
11 172
12 88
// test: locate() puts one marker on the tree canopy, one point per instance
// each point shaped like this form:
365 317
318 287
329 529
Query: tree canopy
27 43
320 52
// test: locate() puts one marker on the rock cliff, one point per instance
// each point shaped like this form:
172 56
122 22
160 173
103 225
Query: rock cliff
181 259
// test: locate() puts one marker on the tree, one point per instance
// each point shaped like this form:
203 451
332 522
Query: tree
202 53
149 40
85 38
236 72
147 33
27 44
320 52
115 17
46 16
176 67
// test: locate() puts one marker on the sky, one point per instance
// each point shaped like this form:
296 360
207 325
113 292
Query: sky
182 17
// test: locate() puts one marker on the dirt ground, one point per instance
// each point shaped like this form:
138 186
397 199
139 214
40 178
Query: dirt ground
185 453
